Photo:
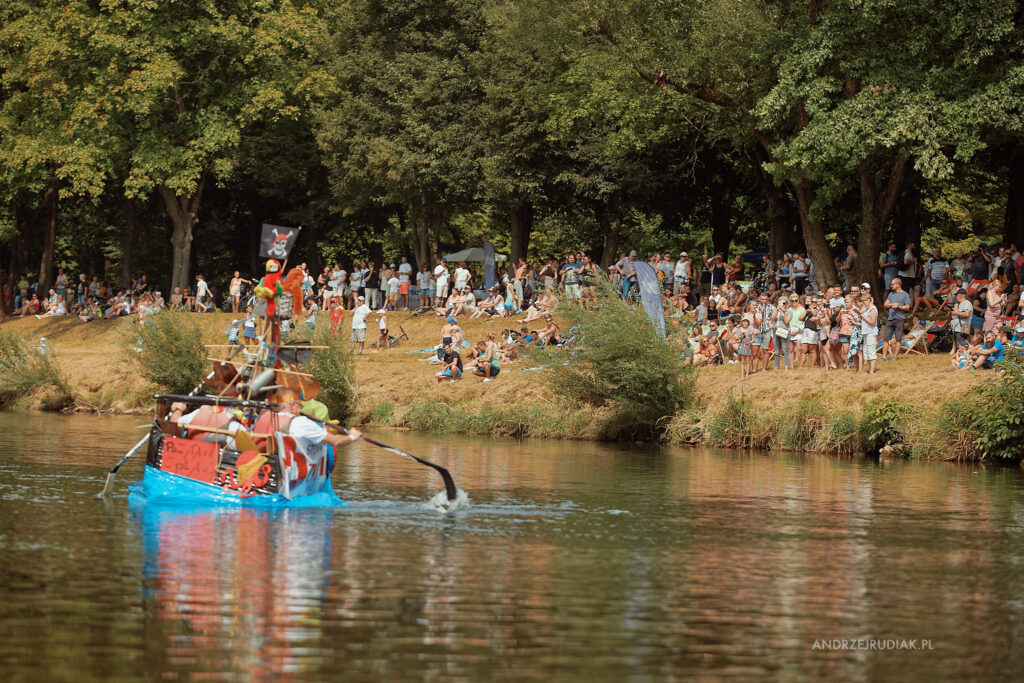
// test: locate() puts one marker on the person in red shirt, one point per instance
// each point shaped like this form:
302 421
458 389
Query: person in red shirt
337 314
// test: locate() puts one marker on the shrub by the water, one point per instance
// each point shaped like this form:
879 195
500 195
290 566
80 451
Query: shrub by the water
620 362
738 425
885 424
171 354
997 412
334 369
27 374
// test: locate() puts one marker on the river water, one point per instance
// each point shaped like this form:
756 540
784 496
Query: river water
575 560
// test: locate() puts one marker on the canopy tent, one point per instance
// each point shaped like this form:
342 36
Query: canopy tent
471 254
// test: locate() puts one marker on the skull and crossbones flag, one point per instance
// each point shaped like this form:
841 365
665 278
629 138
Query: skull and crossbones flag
277 242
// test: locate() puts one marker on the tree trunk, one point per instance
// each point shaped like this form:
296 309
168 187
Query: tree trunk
182 210
1013 224
46 263
908 224
723 184
611 240
128 243
876 207
814 236
520 227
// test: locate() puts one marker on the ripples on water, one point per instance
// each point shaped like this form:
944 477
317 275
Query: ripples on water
571 561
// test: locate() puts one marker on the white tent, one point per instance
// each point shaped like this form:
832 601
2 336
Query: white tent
471 254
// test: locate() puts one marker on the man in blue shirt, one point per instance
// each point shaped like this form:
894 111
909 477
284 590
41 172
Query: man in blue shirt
991 352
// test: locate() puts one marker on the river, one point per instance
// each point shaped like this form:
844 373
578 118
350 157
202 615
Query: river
574 561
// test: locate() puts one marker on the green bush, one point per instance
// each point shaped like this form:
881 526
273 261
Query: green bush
998 413
333 367
842 435
885 424
25 373
947 433
382 413
169 352
620 362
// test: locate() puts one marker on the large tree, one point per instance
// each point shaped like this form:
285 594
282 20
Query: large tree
187 81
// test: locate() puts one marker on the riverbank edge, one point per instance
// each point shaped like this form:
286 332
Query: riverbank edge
890 428
803 410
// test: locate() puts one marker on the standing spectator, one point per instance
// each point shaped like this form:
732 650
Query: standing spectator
667 271
681 273
337 315
61 284
520 280
83 290
462 277
959 269
441 281
996 301
235 290
896 304
890 265
371 285
312 309
995 263
570 279
22 297
782 320
935 272
382 327
868 313
960 320
800 273
627 270
908 270
849 266
979 264
393 286
588 274
359 323
425 284
404 283
716 266
765 318
202 294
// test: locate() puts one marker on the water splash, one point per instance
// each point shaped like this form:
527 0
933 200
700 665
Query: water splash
441 503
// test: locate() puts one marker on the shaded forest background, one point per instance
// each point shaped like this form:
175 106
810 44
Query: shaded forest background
156 136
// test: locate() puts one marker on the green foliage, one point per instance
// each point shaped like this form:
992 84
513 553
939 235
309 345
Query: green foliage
516 421
334 369
998 417
800 424
842 435
621 362
382 413
25 373
885 423
947 433
738 425
173 356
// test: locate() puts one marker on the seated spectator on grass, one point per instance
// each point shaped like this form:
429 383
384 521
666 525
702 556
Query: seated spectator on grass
488 363
451 365
990 353
494 305
545 304
55 308
29 306
918 330
549 336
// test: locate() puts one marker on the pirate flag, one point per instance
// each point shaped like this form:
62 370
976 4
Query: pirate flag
277 242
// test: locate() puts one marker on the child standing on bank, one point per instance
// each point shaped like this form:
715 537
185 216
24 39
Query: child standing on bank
382 324
746 339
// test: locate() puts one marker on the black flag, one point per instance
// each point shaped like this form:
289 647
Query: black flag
277 242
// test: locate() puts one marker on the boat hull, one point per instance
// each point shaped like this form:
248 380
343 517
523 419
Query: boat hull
168 489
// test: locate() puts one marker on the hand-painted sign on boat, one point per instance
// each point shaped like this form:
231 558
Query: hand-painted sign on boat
304 463
277 242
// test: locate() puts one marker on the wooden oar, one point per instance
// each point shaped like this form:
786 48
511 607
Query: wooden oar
449 483
109 485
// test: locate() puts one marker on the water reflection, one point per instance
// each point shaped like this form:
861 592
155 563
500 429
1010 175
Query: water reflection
235 590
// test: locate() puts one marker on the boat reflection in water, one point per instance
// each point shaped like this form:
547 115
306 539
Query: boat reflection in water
235 590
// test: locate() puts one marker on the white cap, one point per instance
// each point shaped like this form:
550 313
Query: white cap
382 311
865 285
359 298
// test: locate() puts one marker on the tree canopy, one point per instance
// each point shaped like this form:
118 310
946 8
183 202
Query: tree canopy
132 130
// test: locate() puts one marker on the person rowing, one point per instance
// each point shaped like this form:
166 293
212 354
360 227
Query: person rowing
289 411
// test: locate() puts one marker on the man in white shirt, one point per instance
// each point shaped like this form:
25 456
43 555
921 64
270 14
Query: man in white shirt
461 277
359 323
960 320
202 294
681 274
303 427
425 283
441 280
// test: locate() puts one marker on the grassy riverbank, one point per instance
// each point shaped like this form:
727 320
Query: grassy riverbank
804 409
